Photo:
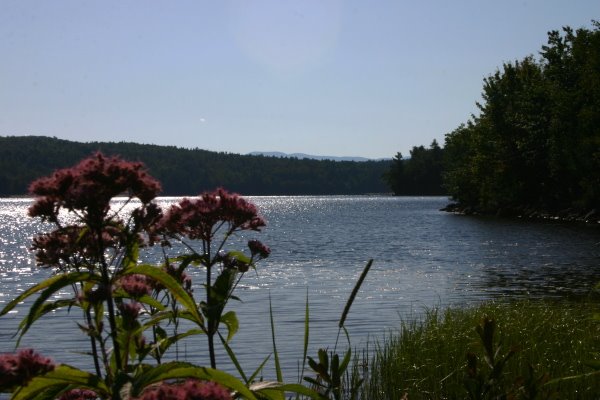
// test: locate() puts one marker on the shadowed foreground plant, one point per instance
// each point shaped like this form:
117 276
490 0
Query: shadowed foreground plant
330 371
492 384
18 369
131 310
479 384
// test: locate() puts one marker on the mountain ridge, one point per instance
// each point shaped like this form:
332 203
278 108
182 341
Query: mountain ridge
303 156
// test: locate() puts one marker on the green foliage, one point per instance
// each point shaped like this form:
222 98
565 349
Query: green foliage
525 353
489 384
536 142
64 377
130 311
191 171
421 174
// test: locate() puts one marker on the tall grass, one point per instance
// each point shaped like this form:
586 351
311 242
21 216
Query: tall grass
426 359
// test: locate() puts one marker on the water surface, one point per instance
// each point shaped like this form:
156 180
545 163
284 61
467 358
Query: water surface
423 258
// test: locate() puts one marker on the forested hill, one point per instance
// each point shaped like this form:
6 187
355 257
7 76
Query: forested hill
191 171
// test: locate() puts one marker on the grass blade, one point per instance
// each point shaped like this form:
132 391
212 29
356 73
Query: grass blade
306 332
233 358
275 354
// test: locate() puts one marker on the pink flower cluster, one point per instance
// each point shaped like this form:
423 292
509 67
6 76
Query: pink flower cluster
18 369
130 311
89 186
59 246
189 390
199 218
136 285
73 244
257 248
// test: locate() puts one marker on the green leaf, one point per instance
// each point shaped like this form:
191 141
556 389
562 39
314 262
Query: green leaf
61 377
313 364
145 299
319 369
323 358
221 289
306 334
99 313
299 389
313 381
231 321
188 259
169 315
345 361
172 285
335 370
239 256
132 251
48 393
45 309
260 367
165 343
275 354
268 390
49 290
57 281
160 332
233 358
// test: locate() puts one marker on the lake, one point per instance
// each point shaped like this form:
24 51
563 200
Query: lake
423 258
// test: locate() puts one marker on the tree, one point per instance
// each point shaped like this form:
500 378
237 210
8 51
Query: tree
535 143
421 174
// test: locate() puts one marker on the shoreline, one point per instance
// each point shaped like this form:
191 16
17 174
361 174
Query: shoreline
587 217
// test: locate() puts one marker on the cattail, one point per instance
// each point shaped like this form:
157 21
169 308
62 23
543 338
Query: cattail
354 292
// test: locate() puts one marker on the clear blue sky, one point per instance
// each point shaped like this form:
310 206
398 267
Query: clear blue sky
354 78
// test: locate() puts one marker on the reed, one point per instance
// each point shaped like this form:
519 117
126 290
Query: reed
427 358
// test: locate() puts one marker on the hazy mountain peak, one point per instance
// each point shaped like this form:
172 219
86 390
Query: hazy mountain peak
303 156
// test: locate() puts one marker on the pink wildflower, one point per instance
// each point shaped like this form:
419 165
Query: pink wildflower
63 244
89 186
135 285
18 369
130 311
57 247
189 390
199 218
258 248
146 219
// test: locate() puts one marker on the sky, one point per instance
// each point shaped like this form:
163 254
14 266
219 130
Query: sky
328 77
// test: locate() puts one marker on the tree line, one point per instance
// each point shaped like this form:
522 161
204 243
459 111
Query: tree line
418 175
535 143
191 171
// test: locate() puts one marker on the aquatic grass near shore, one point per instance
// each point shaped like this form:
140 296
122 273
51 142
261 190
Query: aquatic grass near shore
427 358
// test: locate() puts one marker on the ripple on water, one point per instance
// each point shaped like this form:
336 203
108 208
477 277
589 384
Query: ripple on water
423 258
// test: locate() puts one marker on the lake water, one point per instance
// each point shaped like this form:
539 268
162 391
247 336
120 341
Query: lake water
422 258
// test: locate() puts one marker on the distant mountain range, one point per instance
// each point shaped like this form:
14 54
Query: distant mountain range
302 156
